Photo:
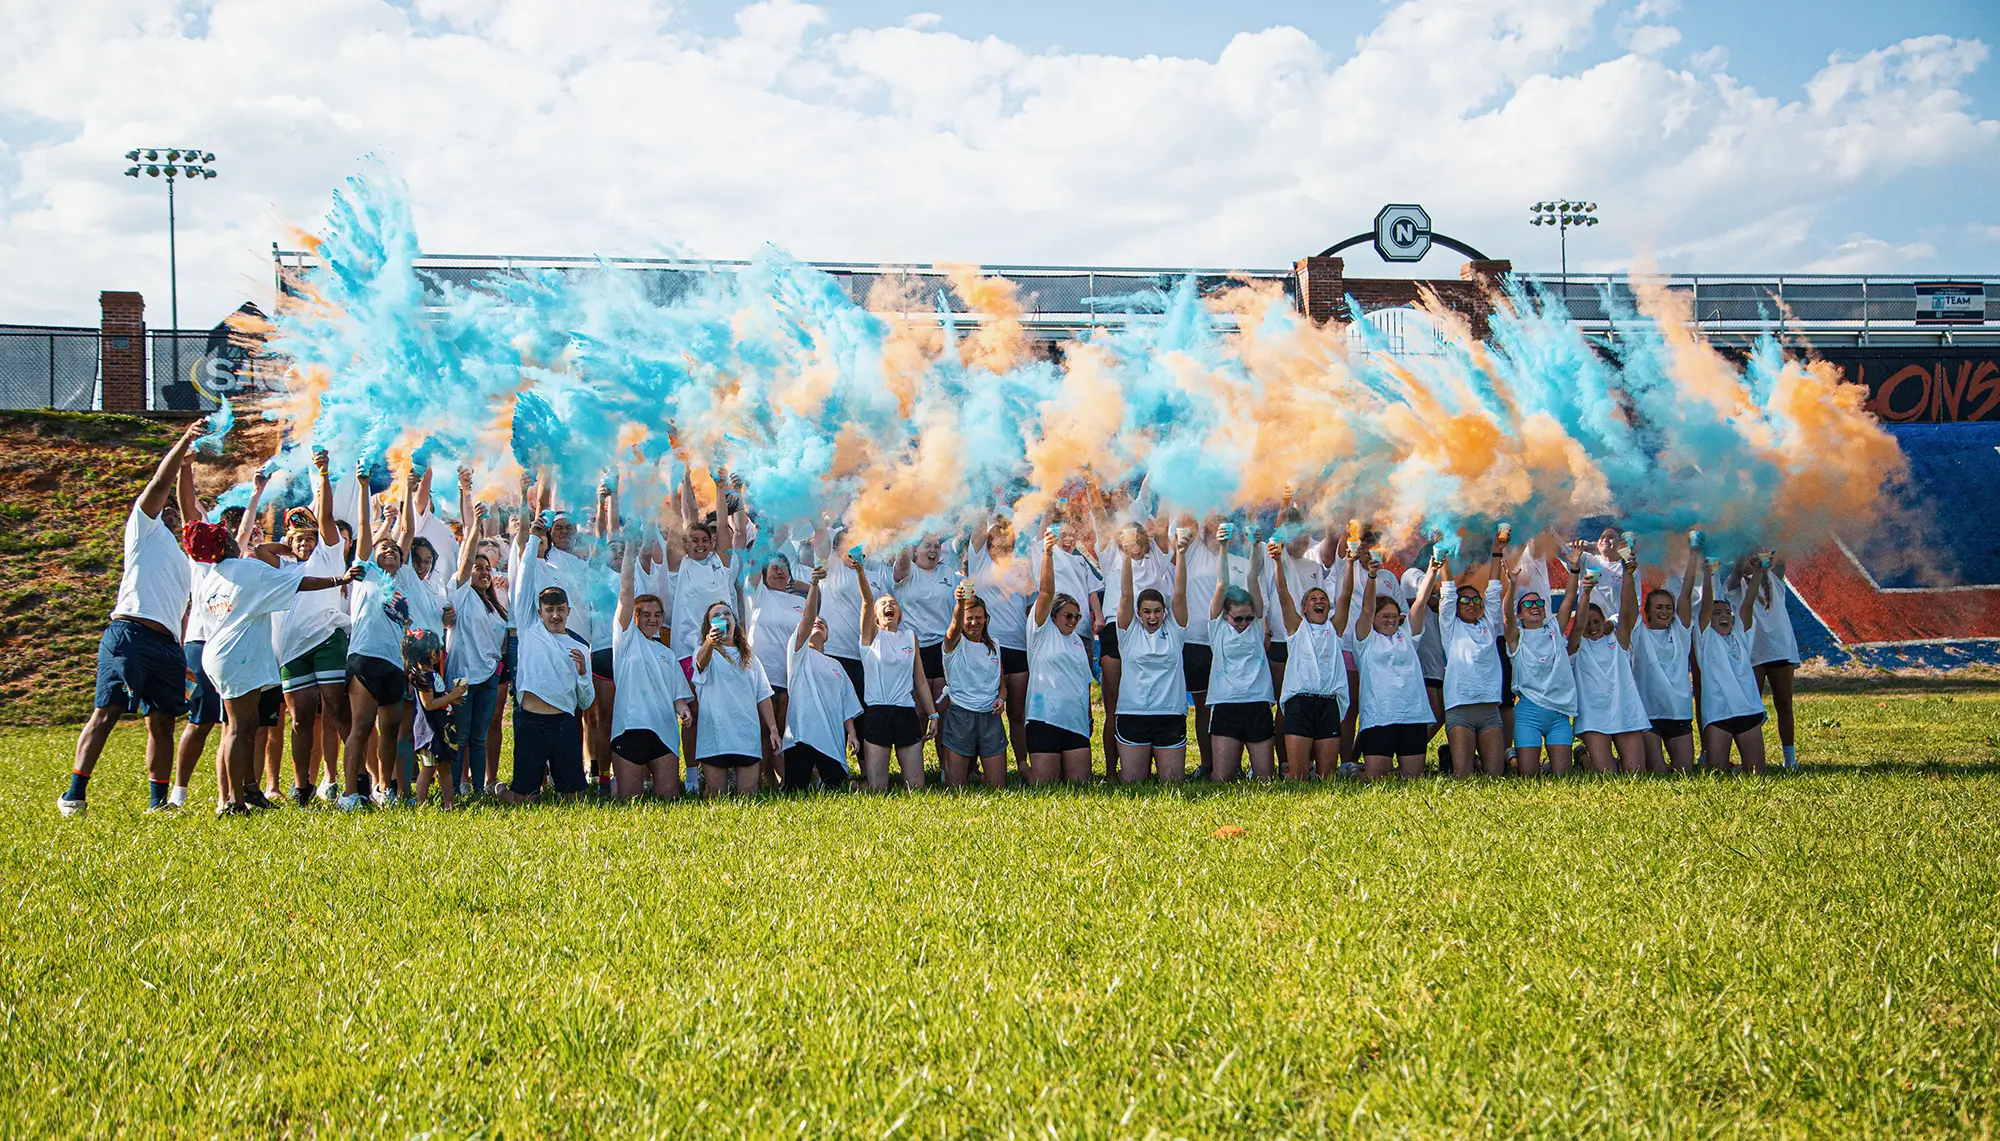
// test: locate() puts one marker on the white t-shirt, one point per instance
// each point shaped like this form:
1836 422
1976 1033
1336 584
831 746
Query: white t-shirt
840 605
438 531
1153 683
379 613
927 598
1387 585
1430 643
427 603
1607 594
698 585
478 636
1771 636
1392 681
773 622
1058 678
1203 567
1155 571
1302 573
314 614
1607 699
239 597
1008 596
649 682
1076 578
565 570
972 675
154 582
1542 672
888 673
1660 667
727 719
1728 677
1242 671
1313 664
547 670
657 581
1471 653
821 703
197 618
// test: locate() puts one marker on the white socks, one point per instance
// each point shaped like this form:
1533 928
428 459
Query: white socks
177 795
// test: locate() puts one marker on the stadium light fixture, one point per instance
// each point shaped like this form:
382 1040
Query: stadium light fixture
1563 214
181 163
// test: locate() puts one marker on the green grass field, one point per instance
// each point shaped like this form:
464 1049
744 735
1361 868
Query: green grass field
1811 955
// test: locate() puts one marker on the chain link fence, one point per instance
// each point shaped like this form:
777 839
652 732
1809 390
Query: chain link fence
48 366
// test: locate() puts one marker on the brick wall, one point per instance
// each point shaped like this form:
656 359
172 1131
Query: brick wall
123 326
1324 288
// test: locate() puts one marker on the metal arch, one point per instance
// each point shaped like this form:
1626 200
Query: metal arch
1437 239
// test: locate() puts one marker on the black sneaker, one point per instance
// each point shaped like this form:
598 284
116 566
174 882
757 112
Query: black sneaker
301 796
232 810
255 798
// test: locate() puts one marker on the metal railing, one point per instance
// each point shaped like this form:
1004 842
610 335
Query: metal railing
48 366
1826 308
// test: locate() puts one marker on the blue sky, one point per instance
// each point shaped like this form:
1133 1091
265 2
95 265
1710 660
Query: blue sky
1749 137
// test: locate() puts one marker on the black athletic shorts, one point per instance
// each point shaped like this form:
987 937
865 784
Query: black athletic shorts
1506 680
1407 740
1277 653
1741 724
1046 738
640 747
1668 730
600 664
387 684
1246 721
1153 730
891 726
1196 661
1013 661
855 674
933 656
732 760
1312 716
1107 641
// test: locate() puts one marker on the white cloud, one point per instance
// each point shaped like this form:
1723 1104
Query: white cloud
1863 254
1652 39
577 126
1988 230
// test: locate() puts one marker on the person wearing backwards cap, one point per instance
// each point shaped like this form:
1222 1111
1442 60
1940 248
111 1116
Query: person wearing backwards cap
554 685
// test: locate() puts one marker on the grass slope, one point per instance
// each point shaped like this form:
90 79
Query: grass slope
1811 955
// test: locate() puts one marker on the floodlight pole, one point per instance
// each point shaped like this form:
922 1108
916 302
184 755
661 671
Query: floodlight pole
1562 213
173 284
179 162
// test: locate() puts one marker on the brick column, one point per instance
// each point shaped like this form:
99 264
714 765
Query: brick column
1490 277
123 351
1322 287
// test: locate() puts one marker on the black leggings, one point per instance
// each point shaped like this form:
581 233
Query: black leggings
547 744
801 760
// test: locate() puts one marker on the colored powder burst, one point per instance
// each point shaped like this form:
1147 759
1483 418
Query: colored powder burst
896 425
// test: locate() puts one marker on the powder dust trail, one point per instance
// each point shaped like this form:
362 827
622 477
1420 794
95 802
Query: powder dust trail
896 423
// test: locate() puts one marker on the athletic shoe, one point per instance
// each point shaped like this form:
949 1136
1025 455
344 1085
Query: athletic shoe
69 807
382 796
232 810
163 808
352 802
255 798
464 788
302 795
329 792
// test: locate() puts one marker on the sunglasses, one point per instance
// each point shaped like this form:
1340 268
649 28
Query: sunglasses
1470 600
1534 604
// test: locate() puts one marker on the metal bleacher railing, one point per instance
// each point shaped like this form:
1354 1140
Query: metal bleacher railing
48 366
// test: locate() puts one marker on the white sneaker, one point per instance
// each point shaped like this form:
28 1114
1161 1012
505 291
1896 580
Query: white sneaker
329 792
381 796
69 807
352 802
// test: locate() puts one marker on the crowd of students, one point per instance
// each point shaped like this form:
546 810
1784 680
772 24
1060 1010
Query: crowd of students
708 650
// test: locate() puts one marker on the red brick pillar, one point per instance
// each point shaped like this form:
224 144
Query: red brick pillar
1490 276
123 351
1322 288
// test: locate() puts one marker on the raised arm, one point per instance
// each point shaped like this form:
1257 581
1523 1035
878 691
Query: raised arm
1225 533
1707 594
1045 594
329 527
725 522
1126 606
1748 613
1581 588
1512 624
811 613
190 505
1182 541
1366 626
364 519
1344 598
860 565
469 520
1288 611
1420 610
1628 600
406 519
153 497
247 528
1255 585
900 568
423 493
955 632
1683 606
627 574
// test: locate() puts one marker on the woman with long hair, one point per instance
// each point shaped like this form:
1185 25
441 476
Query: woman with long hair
925 589
1543 678
1002 581
1239 686
1058 729
1132 544
896 712
1660 648
1395 719
1774 646
1609 710
477 643
819 725
732 701
378 612
1150 729
973 724
773 611
1314 699
1732 709
652 695
312 637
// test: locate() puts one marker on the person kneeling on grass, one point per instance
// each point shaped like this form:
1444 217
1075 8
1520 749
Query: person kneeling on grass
1239 680
651 700
732 699
554 686
1732 709
435 729
819 717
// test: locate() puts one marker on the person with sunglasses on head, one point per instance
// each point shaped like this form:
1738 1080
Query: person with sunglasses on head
1058 681
1314 699
1609 709
1544 679
1239 686
1471 639
1732 708
1395 714
1660 648
1150 729
312 638
140 665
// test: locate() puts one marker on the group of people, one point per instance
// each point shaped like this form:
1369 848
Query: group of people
708 650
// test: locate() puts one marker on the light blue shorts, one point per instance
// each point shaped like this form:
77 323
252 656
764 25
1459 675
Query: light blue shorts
1535 727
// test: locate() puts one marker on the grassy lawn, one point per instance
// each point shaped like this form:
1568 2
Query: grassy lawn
1809 955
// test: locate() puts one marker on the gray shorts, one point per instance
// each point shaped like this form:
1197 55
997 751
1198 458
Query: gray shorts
1478 716
972 734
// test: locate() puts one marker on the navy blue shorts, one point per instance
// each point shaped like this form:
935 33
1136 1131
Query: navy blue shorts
140 670
204 705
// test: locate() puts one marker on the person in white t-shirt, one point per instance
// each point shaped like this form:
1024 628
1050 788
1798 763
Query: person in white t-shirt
973 723
772 609
1007 587
1660 648
1150 729
140 667
926 587
1609 709
378 686
1058 729
1543 677
732 701
478 648
1470 638
1395 723
700 565
312 639
652 695
1239 681
1314 699
819 725
1774 646
1152 563
897 716
1732 709
1204 559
